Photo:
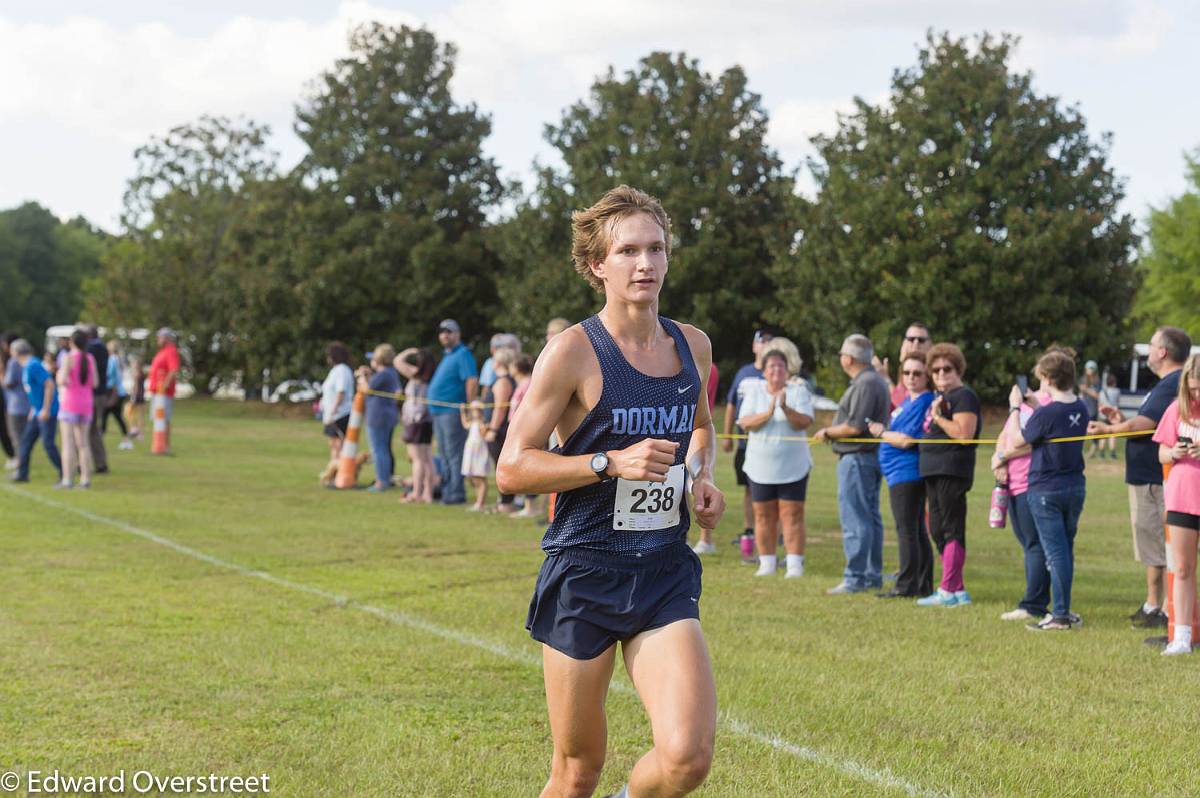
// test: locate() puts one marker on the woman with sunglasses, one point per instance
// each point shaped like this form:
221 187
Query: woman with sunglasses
900 463
949 469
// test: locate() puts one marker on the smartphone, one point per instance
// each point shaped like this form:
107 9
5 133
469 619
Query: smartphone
1023 384
1185 440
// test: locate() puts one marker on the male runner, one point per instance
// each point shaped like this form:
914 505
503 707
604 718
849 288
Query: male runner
625 390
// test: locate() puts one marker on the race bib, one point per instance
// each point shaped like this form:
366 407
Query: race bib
645 506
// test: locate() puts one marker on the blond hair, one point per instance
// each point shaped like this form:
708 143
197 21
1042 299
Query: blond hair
785 349
591 229
384 354
504 357
1188 378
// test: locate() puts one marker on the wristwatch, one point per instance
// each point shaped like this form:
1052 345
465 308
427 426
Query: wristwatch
599 464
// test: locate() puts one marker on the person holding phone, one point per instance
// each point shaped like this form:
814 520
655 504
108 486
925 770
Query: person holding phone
1057 488
1177 435
949 469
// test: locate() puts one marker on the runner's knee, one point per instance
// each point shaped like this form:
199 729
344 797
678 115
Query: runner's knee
574 775
685 763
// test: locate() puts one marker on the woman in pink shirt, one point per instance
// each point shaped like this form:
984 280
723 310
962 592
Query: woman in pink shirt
77 380
1011 464
1177 437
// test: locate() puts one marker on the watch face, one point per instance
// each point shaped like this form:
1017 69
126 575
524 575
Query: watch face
599 461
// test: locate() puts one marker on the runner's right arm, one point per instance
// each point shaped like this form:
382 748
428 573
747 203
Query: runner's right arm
526 467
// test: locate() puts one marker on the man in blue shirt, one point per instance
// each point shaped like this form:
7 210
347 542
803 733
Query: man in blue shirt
455 382
1169 348
733 406
38 387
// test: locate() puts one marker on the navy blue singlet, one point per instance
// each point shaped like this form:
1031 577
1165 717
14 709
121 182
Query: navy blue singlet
632 407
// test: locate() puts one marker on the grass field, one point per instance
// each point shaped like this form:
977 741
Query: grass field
346 645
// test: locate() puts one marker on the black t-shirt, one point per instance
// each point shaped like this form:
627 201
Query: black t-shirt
1056 466
951 459
1141 454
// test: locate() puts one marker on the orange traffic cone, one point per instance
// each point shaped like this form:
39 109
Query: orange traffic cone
347 475
160 443
1169 604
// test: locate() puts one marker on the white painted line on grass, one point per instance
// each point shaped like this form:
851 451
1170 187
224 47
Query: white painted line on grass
880 777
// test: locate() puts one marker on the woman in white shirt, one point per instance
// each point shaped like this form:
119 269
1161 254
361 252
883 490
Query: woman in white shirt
775 412
337 395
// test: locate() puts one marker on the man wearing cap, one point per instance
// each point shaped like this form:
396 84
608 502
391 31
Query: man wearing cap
455 382
742 380
163 371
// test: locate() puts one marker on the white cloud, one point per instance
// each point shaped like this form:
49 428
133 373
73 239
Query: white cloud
79 94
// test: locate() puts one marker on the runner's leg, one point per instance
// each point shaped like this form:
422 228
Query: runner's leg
673 675
575 693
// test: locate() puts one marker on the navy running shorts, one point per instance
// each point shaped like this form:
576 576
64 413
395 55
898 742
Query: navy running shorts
586 600
788 491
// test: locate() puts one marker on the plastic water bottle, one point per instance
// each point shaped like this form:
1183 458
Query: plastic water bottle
998 514
747 545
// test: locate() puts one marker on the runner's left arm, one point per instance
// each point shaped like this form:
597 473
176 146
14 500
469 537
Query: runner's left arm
709 502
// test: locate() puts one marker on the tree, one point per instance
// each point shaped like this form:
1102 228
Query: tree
389 237
43 263
968 201
1171 263
190 190
696 142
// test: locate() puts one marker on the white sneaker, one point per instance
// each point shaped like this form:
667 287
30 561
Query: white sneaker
765 570
1019 614
125 445
794 573
704 548
1177 647
11 464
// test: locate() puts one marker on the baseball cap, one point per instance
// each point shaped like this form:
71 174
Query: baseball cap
165 332
763 335
1091 366
449 325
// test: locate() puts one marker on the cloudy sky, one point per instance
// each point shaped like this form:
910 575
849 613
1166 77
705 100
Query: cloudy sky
82 83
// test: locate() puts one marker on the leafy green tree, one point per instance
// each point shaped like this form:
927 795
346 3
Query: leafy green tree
971 202
190 190
1171 263
695 141
43 263
389 236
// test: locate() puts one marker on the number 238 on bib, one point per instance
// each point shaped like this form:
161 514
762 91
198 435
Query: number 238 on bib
646 506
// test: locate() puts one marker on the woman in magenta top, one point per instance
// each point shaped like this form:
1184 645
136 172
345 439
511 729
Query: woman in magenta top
76 381
1177 437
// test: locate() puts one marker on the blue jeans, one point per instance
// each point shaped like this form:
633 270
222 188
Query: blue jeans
1036 600
46 430
451 438
862 525
1056 516
380 436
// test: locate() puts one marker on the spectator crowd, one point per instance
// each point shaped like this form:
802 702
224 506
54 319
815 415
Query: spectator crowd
74 387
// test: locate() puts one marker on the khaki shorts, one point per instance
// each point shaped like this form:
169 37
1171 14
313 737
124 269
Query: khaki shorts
1146 514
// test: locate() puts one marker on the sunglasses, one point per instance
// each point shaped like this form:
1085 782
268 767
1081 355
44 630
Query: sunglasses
913 373
916 339
942 369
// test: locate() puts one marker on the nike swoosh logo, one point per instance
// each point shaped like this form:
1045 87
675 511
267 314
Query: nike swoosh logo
685 389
